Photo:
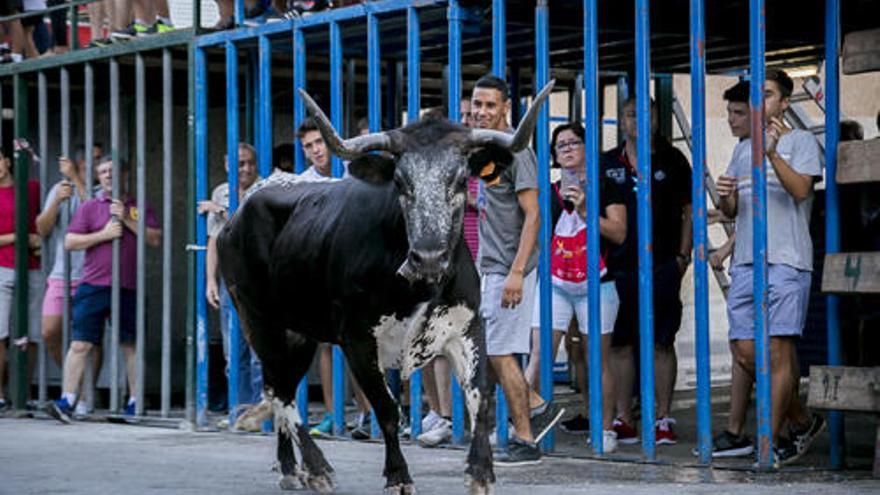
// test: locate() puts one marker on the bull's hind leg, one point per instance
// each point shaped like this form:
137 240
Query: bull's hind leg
362 357
286 356
467 353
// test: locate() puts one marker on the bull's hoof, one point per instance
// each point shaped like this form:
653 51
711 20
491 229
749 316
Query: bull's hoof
475 487
402 489
322 483
290 482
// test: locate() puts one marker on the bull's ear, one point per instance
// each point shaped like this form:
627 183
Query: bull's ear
488 162
375 169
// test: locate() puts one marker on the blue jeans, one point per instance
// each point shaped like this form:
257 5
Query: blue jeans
250 370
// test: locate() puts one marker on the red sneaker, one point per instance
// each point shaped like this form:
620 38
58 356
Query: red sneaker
663 432
626 433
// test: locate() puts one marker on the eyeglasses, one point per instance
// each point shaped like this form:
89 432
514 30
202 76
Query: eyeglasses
568 145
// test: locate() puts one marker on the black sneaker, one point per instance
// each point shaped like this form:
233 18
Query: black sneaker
519 453
578 425
726 444
785 453
542 421
804 437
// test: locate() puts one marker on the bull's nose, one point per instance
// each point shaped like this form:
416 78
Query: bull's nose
429 261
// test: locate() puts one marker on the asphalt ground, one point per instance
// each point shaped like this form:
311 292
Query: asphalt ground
40 456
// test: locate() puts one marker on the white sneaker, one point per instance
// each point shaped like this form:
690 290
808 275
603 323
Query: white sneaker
430 421
441 433
81 410
609 441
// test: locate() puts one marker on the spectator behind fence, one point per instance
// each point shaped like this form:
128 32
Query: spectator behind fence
509 224
250 371
7 270
671 207
15 50
796 165
69 194
129 19
568 268
318 155
94 227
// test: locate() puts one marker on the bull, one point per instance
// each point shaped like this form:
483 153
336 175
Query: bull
375 264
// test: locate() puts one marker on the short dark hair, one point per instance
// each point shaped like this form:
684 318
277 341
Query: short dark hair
780 77
491 81
850 130
282 157
575 127
631 100
307 125
738 93
362 123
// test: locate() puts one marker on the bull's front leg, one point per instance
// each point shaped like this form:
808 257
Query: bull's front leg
467 353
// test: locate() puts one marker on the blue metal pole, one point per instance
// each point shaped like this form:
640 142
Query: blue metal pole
413 106
251 100
832 207
499 38
336 118
239 12
591 155
454 17
201 152
374 109
263 131
757 25
299 81
232 136
645 227
698 199
499 68
542 142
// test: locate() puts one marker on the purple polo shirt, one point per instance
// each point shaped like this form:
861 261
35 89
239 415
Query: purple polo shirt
91 217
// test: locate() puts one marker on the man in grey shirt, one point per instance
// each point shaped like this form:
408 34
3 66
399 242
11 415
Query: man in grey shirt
795 166
508 254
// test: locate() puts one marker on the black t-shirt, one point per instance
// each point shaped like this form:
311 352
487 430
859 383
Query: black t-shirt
670 193
609 194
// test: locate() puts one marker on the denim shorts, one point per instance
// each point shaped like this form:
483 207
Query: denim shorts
91 310
508 330
789 295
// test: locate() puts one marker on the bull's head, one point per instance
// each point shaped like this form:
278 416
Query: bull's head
430 165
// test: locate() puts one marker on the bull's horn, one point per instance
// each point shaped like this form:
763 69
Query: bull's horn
347 149
518 141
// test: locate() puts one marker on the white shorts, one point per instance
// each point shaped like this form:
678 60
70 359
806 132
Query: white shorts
36 286
565 305
508 331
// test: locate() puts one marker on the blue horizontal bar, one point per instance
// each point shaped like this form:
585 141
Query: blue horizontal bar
318 19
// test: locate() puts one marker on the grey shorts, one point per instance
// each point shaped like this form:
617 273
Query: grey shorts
508 331
36 287
789 294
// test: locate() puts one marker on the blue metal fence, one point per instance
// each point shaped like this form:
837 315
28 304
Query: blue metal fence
373 12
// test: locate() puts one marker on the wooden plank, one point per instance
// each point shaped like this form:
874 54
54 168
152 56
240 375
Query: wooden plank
861 52
852 273
845 388
857 161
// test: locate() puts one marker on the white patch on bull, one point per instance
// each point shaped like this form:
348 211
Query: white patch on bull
283 180
407 344
287 417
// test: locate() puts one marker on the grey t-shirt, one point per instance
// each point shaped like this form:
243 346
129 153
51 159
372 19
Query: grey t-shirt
56 238
788 222
501 218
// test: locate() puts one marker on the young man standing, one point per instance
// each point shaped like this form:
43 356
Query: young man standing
509 224
794 166
97 223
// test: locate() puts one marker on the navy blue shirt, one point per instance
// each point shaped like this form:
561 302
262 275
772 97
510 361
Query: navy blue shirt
670 193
